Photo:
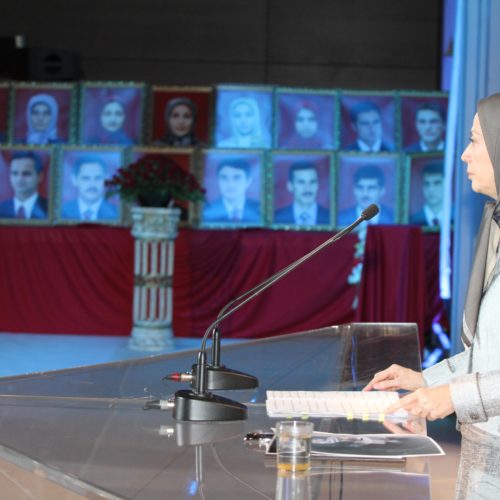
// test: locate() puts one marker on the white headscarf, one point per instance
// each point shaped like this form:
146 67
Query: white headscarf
50 133
255 139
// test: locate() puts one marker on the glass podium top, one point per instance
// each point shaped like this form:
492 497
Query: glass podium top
86 429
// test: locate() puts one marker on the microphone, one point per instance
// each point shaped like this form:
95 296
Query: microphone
370 212
198 404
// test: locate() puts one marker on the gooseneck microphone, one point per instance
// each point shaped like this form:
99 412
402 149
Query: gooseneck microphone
199 404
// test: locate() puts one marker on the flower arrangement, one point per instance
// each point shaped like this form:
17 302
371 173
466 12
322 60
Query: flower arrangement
155 180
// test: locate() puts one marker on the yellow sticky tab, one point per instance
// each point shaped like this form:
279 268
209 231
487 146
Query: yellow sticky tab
304 417
381 417
365 417
350 416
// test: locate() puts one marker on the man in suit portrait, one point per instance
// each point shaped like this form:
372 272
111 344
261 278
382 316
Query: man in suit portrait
25 175
368 188
303 184
366 121
430 123
431 214
234 177
88 177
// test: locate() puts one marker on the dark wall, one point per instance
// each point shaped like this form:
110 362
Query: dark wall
379 44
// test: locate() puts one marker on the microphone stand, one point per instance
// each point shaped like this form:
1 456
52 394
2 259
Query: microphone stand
199 404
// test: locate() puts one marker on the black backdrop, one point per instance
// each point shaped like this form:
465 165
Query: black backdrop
382 44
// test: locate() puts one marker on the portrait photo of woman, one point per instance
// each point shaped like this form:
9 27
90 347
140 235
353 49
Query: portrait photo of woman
305 120
111 115
41 117
180 123
112 119
43 114
181 116
243 119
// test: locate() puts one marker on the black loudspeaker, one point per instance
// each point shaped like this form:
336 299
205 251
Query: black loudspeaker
53 65
41 64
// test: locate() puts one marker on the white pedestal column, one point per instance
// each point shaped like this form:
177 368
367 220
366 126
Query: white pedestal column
154 230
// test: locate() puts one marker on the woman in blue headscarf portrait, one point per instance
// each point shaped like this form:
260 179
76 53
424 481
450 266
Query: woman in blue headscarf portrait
41 119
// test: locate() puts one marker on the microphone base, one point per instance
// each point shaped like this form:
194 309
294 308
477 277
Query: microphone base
192 407
220 378
196 433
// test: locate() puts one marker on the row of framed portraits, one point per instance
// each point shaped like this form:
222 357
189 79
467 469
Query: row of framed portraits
306 190
225 116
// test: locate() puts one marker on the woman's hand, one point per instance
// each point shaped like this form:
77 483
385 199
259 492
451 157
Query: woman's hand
428 402
394 378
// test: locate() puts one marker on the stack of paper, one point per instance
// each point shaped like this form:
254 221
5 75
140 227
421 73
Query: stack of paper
350 404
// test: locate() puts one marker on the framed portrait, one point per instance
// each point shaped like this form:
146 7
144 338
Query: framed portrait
305 119
26 185
425 190
243 117
80 188
302 190
234 182
363 179
368 122
4 112
423 121
180 116
43 114
111 113
183 158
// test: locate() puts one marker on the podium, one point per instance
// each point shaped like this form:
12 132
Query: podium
84 430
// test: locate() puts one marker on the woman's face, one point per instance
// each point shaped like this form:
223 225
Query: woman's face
244 119
479 167
112 116
40 117
180 120
306 124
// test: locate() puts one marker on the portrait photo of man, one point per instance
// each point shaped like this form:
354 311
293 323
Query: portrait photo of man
423 125
302 184
232 184
26 178
305 120
361 185
368 124
88 173
427 193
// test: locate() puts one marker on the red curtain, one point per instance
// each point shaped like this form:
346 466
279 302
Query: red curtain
79 280
66 280
393 287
